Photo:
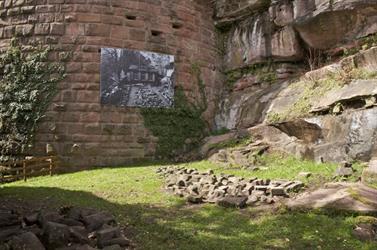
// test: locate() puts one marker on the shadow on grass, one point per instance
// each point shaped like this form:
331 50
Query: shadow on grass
206 227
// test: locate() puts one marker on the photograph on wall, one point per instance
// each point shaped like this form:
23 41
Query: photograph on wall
136 78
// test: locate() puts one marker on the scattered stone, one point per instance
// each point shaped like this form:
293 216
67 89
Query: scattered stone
70 229
225 190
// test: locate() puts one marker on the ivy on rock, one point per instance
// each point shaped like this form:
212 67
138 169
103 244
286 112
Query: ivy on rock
28 82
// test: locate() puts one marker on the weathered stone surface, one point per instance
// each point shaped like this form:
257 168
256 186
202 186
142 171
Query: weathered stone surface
228 11
365 232
56 235
233 201
26 241
285 45
339 196
358 89
243 109
323 24
96 221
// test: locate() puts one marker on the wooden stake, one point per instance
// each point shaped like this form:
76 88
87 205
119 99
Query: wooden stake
24 169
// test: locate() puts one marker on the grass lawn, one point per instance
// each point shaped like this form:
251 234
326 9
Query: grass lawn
157 220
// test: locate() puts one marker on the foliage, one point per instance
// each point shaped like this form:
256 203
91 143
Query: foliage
180 128
27 86
232 143
220 131
263 71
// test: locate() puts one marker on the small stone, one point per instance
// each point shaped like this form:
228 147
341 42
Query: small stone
344 172
278 191
251 200
233 202
261 188
304 175
295 186
194 199
104 235
365 232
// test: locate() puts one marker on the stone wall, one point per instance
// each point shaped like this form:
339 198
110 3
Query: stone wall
81 130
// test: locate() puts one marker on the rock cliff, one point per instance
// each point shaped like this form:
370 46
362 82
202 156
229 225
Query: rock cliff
301 75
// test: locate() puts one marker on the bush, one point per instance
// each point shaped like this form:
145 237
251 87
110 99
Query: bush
27 85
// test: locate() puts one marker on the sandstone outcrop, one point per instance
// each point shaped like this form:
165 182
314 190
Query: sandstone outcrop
338 196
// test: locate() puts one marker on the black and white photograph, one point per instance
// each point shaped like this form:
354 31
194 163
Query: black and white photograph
133 78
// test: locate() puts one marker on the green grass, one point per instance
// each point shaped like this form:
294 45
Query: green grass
157 220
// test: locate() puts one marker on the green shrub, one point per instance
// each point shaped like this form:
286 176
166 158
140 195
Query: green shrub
27 86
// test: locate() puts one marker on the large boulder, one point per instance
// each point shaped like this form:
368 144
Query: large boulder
326 23
338 196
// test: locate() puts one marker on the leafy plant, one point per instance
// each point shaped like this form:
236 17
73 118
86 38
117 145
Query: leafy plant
27 85
179 129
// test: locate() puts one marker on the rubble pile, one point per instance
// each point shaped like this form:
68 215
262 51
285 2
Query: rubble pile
225 190
71 228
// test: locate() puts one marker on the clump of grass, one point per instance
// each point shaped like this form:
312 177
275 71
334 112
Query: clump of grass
233 143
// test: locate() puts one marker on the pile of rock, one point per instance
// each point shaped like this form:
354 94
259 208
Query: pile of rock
69 229
225 190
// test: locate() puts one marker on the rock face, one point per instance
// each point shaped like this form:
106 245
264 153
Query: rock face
225 190
339 196
356 90
301 32
324 24
72 228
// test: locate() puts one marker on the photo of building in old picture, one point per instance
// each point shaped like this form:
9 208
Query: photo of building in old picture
136 78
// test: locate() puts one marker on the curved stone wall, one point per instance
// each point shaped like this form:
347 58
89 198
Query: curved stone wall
80 129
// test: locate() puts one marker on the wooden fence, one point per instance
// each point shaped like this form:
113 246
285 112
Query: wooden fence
23 169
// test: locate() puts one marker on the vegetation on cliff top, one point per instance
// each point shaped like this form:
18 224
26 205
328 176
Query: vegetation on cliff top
312 89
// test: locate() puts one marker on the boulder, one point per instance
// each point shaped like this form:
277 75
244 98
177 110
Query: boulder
354 197
325 24
233 202
96 221
56 235
26 241
365 232
8 219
